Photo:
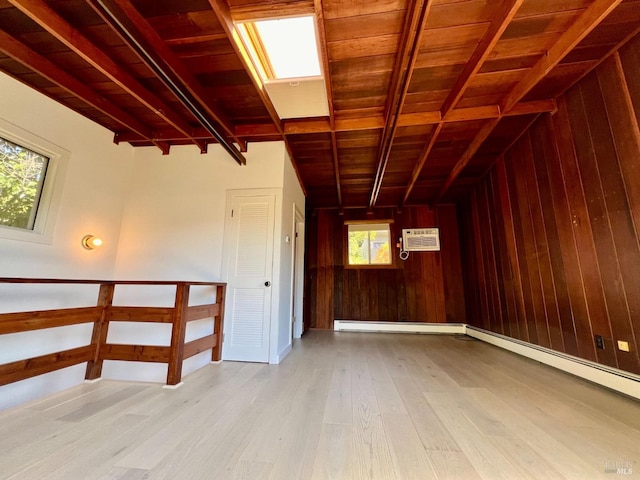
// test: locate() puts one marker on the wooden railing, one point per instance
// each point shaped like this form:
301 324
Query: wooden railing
101 316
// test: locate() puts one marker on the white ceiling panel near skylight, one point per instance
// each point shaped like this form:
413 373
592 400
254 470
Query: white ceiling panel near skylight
285 53
301 99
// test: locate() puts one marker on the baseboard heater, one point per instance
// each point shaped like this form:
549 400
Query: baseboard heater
398 327
609 377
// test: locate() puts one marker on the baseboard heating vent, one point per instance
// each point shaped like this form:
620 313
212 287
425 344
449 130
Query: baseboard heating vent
624 382
397 327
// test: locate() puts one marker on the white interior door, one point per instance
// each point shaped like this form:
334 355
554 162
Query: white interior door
249 252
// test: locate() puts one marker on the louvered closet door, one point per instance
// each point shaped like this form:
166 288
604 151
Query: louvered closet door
250 257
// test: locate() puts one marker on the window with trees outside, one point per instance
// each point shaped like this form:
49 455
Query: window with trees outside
369 244
22 175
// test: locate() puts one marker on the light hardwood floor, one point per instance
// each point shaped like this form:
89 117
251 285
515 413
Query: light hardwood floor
341 406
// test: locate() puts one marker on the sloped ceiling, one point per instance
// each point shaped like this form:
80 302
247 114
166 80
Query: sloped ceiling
423 95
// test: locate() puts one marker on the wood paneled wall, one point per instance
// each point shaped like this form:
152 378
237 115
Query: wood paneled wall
427 287
556 257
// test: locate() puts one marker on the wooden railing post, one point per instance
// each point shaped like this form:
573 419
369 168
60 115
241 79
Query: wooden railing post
218 325
100 330
176 351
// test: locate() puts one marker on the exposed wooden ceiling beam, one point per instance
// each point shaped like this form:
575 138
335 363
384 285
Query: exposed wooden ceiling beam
39 64
293 127
136 32
612 51
121 14
405 63
336 167
471 150
273 9
221 10
298 127
515 140
499 24
420 163
48 19
322 40
578 30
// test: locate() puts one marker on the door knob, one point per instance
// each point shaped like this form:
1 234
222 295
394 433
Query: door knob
267 283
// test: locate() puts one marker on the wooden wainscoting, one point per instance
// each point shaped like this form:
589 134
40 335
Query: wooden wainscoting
102 315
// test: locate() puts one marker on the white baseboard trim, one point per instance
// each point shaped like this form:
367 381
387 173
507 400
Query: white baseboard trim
612 378
397 327
285 351
173 387
624 382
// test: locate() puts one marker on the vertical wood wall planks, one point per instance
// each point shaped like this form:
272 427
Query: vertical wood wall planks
564 208
542 150
454 308
425 288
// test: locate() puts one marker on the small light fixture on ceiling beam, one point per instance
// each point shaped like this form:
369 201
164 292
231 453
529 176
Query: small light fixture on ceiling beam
91 242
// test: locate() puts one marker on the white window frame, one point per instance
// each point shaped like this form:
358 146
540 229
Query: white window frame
51 195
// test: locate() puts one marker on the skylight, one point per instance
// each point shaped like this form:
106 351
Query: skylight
283 48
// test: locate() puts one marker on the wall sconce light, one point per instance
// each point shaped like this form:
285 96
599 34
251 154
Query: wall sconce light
91 242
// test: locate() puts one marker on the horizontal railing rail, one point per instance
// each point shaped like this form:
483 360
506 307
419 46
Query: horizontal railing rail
101 315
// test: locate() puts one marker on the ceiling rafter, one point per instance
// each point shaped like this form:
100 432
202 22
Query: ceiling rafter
297 127
515 140
222 12
578 30
39 64
221 9
420 163
322 40
612 51
405 63
471 150
498 25
129 17
589 20
136 32
410 119
48 19
469 72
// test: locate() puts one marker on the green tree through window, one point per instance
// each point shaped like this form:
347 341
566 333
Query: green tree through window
369 244
22 173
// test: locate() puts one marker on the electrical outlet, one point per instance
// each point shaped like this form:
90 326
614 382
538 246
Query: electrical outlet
624 346
599 342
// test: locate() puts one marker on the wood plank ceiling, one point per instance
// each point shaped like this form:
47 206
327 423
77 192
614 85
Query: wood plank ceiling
424 95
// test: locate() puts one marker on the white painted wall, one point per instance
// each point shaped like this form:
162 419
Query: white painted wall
173 228
292 195
93 199
174 221
161 217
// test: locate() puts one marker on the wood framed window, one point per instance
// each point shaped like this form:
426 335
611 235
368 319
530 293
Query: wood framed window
368 244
